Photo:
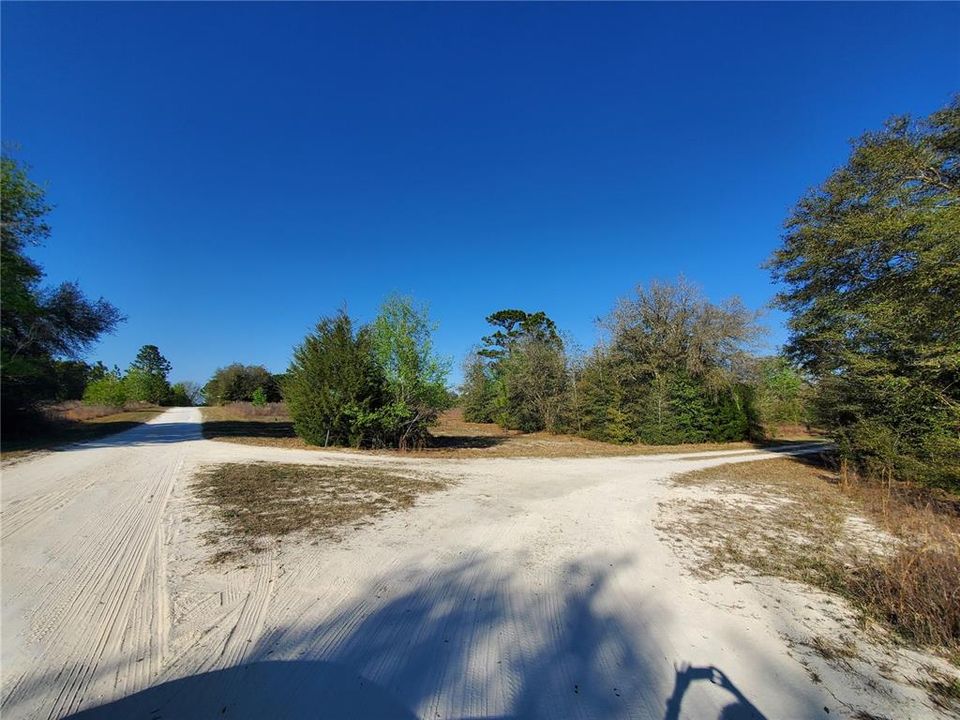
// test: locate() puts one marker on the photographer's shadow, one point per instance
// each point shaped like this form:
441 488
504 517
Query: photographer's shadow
686 675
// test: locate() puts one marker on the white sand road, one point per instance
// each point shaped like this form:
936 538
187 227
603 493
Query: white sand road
532 588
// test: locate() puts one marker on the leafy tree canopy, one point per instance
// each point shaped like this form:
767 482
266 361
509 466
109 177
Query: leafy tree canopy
514 326
238 383
870 265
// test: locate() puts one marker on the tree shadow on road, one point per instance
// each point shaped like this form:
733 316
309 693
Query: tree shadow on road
459 644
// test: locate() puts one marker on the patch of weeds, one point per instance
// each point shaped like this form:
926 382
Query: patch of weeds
896 559
259 503
942 689
839 654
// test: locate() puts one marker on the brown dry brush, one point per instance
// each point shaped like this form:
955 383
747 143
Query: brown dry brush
249 410
915 589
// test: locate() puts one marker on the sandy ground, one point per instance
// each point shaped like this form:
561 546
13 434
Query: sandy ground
531 588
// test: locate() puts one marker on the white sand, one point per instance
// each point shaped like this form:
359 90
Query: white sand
532 588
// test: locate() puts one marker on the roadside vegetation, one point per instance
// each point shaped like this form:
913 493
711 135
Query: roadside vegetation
453 437
72 422
892 552
870 265
146 381
673 368
238 383
258 504
44 330
377 386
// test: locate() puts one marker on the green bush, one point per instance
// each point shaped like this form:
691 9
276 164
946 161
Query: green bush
109 390
376 386
334 388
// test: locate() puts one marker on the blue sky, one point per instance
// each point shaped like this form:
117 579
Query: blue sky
228 173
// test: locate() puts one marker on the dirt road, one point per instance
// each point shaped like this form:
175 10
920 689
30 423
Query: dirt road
532 588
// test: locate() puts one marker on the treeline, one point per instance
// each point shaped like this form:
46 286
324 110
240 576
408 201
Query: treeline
870 271
145 381
243 383
674 368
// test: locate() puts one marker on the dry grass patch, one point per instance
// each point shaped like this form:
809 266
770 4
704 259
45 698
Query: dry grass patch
259 503
894 553
75 424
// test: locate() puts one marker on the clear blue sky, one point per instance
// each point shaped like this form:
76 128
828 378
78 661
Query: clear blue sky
228 173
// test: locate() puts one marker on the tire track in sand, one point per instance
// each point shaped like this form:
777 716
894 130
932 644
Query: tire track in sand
110 604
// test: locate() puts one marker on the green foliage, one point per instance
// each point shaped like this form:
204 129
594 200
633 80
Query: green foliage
238 383
259 397
669 373
415 377
478 394
184 394
38 325
334 387
150 361
146 380
535 386
519 378
781 393
68 379
376 386
143 387
107 390
870 262
515 326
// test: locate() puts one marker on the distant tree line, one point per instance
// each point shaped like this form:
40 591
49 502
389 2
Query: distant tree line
674 368
243 383
870 270
145 381
45 331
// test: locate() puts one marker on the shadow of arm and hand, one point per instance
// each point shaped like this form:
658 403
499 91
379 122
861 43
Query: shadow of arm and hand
686 675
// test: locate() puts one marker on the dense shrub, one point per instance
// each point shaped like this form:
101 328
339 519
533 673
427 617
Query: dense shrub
670 372
109 390
375 386
782 394
519 378
414 377
183 394
334 388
